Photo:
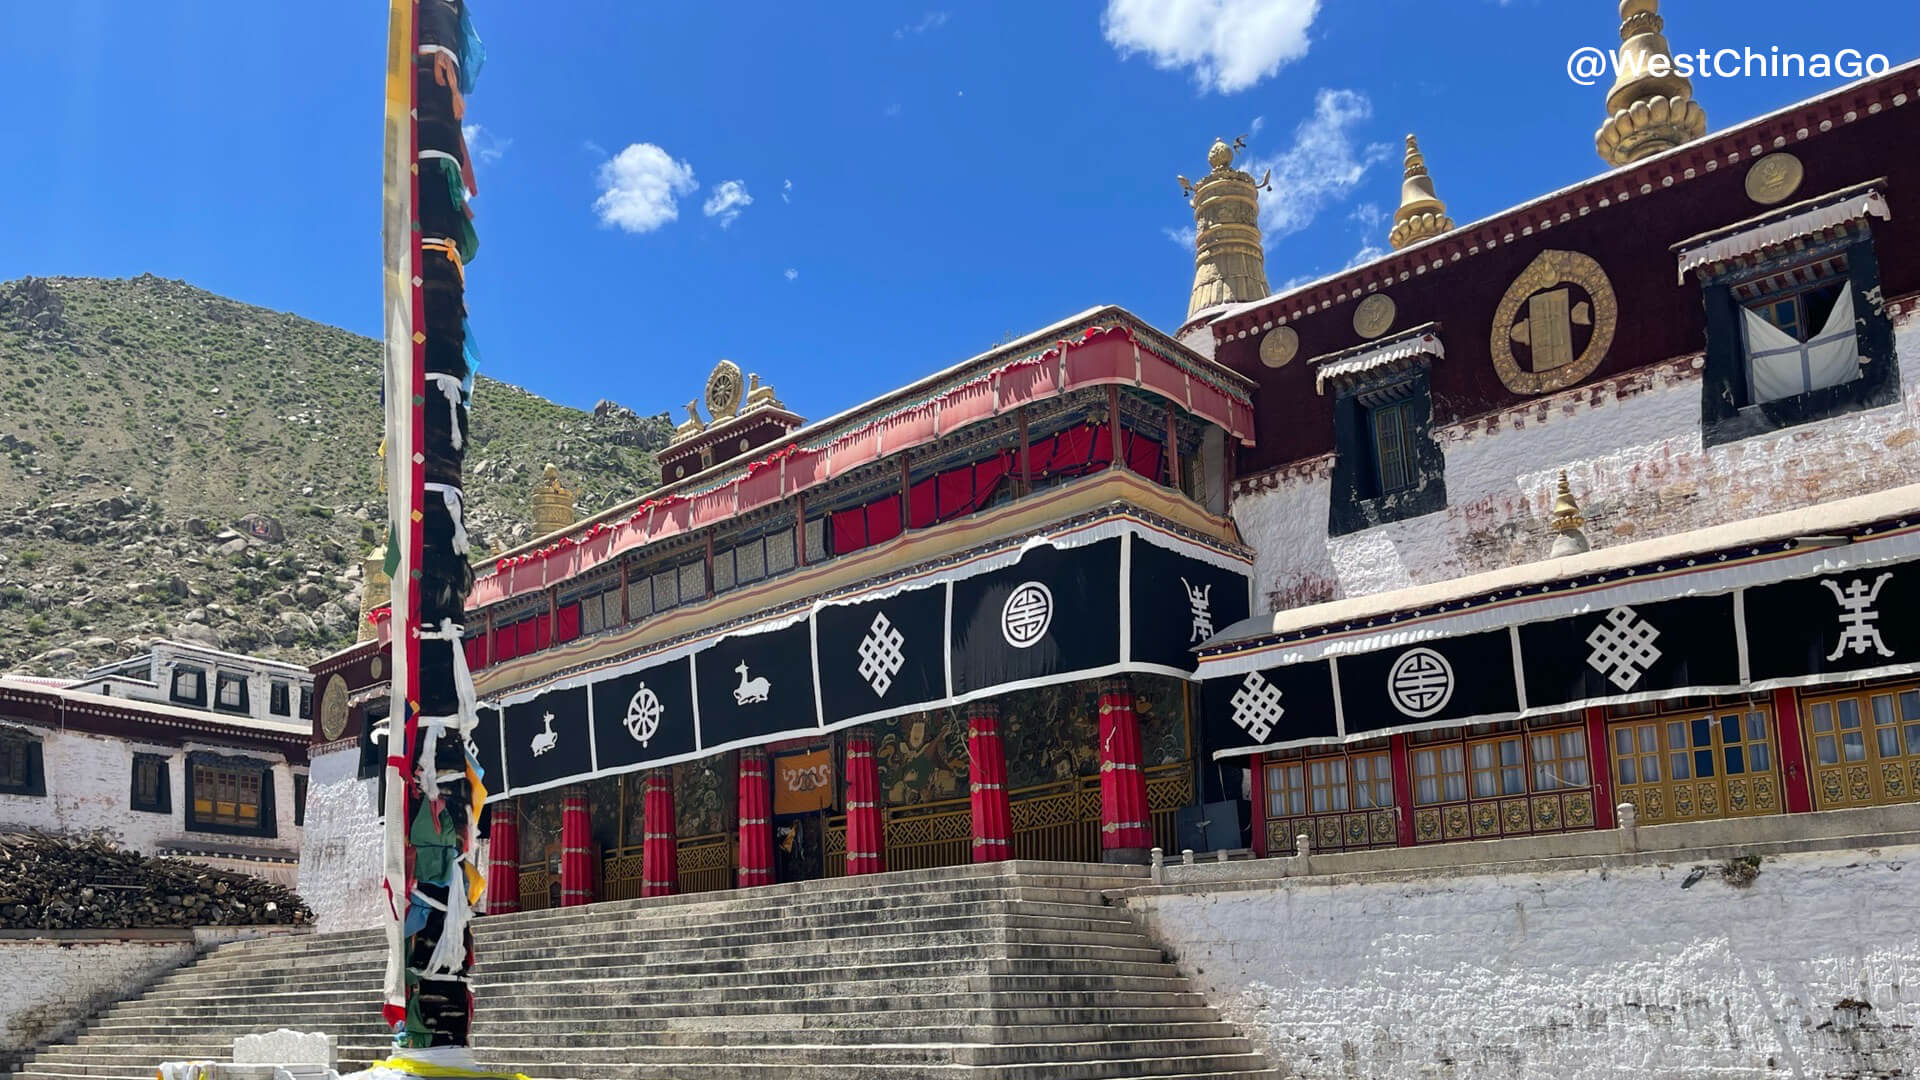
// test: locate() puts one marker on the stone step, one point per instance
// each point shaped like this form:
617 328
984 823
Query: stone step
879 910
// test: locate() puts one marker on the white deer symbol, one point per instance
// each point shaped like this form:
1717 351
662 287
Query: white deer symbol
754 689
544 741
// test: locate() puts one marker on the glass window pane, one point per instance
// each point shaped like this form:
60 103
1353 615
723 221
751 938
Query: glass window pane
1730 728
1573 772
1425 763
1703 764
1650 768
1759 757
1822 716
1510 752
1426 792
1679 766
1573 744
1482 755
1756 726
1622 741
1456 787
1485 785
1855 745
1513 780
1676 735
1825 750
1849 713
1889 742
1649 738
1702 731
1628 773
1736 760
1910 705
1883 708
1913 738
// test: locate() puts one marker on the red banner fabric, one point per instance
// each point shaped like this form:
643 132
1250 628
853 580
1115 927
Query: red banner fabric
503 860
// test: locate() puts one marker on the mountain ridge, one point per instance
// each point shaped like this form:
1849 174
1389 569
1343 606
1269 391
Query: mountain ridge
174 463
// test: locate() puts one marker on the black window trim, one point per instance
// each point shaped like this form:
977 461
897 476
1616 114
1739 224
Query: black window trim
35 782
221 680
199 698
162 802
279 697
1356 503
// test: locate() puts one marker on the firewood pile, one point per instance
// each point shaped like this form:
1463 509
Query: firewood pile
61 883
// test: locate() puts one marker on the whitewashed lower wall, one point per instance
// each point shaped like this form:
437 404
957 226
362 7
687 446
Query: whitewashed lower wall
1634 457
89 782
1812 970
340 855
49 985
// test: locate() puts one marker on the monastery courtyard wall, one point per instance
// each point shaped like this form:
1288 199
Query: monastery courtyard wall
1647 953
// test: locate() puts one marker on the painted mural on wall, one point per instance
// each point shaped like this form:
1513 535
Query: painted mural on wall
704 795
540 827
1050 734
1160 704
922 757
603 808
633 808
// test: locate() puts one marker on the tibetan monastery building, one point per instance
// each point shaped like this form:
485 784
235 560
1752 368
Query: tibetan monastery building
1606 504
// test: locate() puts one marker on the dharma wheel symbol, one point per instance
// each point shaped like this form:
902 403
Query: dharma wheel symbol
643 714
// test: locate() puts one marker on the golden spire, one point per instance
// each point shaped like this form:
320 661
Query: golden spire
376 589
1568 526
1229 264
1650 107
552 503
1421 212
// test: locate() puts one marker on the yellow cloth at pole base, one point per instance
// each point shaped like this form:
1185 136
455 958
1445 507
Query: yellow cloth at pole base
415 1067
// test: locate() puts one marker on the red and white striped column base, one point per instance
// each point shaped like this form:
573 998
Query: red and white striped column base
865 852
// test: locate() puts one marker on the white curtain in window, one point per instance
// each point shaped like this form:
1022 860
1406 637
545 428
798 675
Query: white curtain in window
1782 367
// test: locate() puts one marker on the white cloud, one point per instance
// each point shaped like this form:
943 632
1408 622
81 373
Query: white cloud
932 20
1368 252
1322 167
1229 44
1187 238
892 110
728 199
484 145
792 273
594 148
639 188
786 191
1253 129
1369 216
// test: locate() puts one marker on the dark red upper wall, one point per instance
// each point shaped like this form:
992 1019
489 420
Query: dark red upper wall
1659 318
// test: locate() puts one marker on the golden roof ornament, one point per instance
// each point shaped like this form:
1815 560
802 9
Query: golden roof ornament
1421 214
1569 535
1229 262
1651 106
760 397
376 590
552 503
689 427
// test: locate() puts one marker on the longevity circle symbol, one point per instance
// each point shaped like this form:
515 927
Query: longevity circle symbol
643 714
1027 614
1420 683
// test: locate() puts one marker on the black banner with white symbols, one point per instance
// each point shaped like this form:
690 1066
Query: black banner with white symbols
1803 632
1046 614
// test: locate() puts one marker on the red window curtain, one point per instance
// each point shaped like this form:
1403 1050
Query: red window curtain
506 644
542 631
525 641
883 520
923 501
476 652
568 622
1143 456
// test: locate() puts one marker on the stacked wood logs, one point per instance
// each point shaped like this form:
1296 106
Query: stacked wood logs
63 883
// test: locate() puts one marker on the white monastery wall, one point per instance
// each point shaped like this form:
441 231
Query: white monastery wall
1811 970
340 875
89 782
50 984
1634 457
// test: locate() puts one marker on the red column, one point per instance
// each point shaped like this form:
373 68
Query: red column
1125 834
576 849
503 859
1402 757
1795 782
659 850
992 813
865 852
1259 767
756 820
1600 766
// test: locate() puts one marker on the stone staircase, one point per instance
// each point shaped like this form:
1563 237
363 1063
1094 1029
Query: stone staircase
1011 971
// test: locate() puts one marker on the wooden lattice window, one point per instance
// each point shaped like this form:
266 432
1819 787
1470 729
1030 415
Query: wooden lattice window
1865 747
228 798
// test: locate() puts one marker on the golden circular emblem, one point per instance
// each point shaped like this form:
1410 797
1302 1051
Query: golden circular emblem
1373 316
378 666
1280 345
1555 323
333 709
1774 177
724 389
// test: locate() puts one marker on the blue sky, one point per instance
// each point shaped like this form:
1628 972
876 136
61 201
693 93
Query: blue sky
924 179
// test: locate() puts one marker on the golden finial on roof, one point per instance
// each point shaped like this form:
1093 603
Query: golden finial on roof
1651 106
759 396
1421 213
1568 526
1229 261
376 589
552 502
689 427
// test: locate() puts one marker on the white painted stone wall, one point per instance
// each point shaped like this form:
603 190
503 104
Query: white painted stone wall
340 860
89 781
1635 460
48 985
1812 970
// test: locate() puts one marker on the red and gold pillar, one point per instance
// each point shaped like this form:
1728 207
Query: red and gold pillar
864 844
503 859
576 849
992 814
659 850
756 820
1125 834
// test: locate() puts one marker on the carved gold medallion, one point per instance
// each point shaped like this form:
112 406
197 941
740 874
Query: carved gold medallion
1280 346
1373 316
1774 177
1555 323
333 709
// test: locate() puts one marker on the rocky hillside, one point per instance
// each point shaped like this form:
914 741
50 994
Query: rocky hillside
149 430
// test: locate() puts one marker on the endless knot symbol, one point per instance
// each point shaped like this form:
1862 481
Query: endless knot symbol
643 714
1027 614
1623 647
880 655
1420 683
1857 614
1256 706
